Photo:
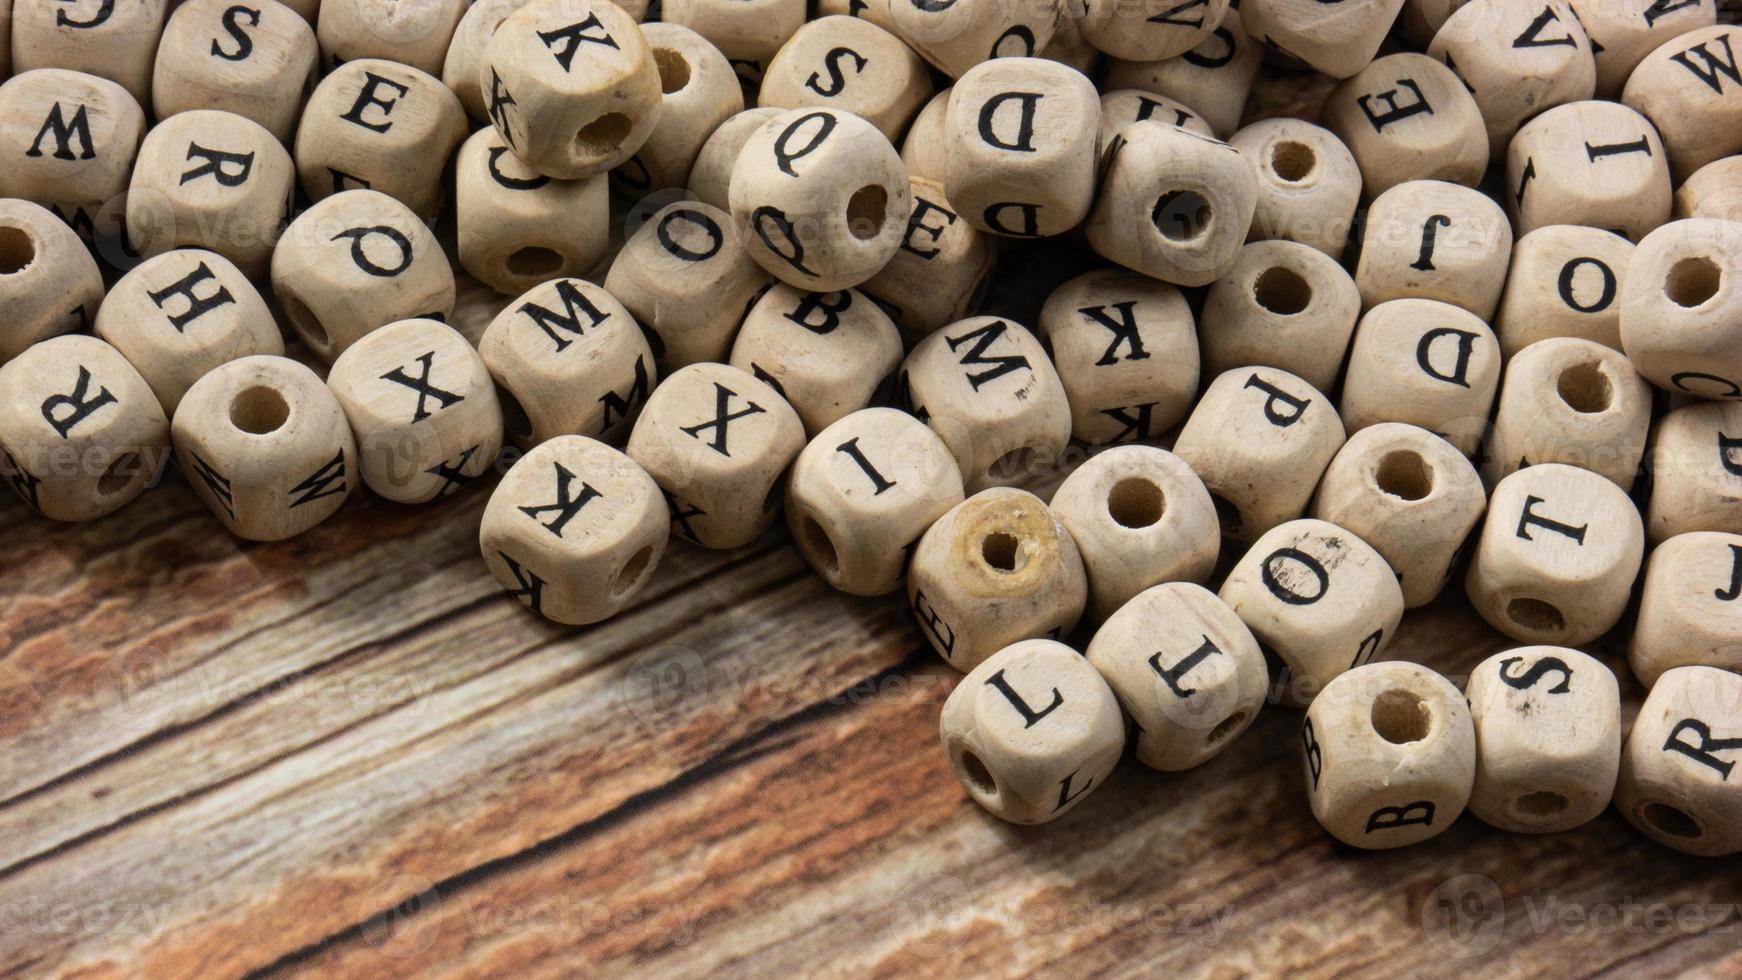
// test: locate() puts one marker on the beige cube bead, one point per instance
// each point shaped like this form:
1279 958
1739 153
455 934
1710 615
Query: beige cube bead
1285 305
957 36
942 268
1187 671
1260 438
1557 556
1680 302
423 408
699 92
570 360
875 11
718 442
49 284
257 61
183 313
824 197
466 51
1623 33
1408 117
265 446
711 174
1689 613
1676 770
1173 205
1426 363
1564 281
1212 78
1517 58
1575 402
1588 163
1696 467
1713 191
1126 350
81 434
863 491
747 32
76 138
357 261
849 64
117 41
1338 38
986 386
925 151
1140 517
383 126
1420 20
411 32
997 568
1548 739
1308 183
574 530
1390 755
1123 107
1434 240
1023 134
1685 88
1412 496
1150 30
828 354
517 228
1031 731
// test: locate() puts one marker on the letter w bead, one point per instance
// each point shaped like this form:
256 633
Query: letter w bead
723 418
425 390
321 483
566 506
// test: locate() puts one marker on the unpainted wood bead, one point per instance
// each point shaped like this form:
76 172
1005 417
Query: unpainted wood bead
1420 20
1260 438
1411 495
1685 88
515 227
1518 59
1557 555
1126 350
574 530
81 434
1696 470
986 386
1680 301
570 360
466 50
1390 755
925 151
117 41
49 283
1548 739
1173 205
849 64
1338 38
71 141
265 446
1186 669
1283 304
1713 191
183 313
1308 183
958 35
942 268
875 11
1031 731
1588 163
747 32
864 490
1150 30
1623 32
1435 240
997 568
357 261
1571 401
1678 770
411 32
1122 107
255 61
711 173
1426 363
1140 517
1408 117
699 92
1689 613
1564 281
422 407
1068 47
1212 78
828 354
383 126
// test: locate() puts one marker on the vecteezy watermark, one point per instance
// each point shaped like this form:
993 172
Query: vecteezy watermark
947 904
1467 916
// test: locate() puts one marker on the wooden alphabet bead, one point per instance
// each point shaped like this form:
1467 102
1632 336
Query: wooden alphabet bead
211 180
569 360
1126 350
959 35
1677 781
422 407
863 491
257 61
1623 33
181 314
1557 555
49 284
986 386
1186 669
1426 363
117 41
849 64
699 91
1685 88
1411 495
711 175
1283 304
1420 20
1068 47
1390 755
941 269
265 446
1689 613
1151 30
411 32
1022 136
1338 38
81 434
1032 730
1564 281
1575 402
574 530
1308 183
357 261
1588 163
1548 739
1517 58
876 11
383 126
71 140
686 275
1139 517
1713 191
1123 107
516 227
1213 78
571 85
828 354
1434 240
1408 117
1680 302
997 568
1260 438
926 149
1173 205
466 51
1696 471
747 32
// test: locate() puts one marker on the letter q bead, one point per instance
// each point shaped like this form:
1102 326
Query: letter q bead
1679 783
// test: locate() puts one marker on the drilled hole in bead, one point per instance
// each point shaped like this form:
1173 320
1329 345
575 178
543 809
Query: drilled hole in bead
1402 473
1135 502
535 260
633 571
1181 215
1002 551
1541 804
1585 388
1672 820
1692 281
514 418
1292 161
1226 727
674 71
17 250
1535 615
818 545
307 324
865 211
979 777
1400 717
259 410
1282 291
602 136
120 474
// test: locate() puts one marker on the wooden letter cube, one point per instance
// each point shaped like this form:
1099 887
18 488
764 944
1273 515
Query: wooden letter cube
1428 239
829 354
1426 363
1308 183
1623 33
1408 117
1696 466
1564 281
1713 191
958 36
1588 163
1213 78
699 91
49 284
1338 38
942 268
1285 305
411 32
1122 107
1517 58
1150 30
1680 302
853 65
1574 402
465 52
1689 613
71 142
117 41
517 228
747 32
710 180
925 150
1679 784
255 60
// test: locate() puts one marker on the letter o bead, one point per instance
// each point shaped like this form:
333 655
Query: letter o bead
516 228
1031 731
1678 780
1680 303
255 60
1564 281
1690 610
49 283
